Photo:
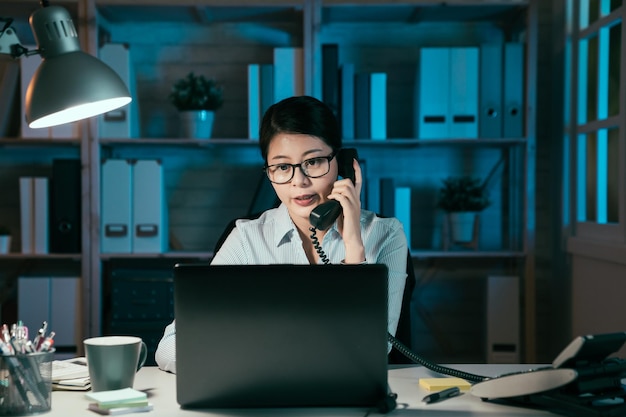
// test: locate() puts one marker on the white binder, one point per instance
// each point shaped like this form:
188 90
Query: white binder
434 93
503 319
116 200
463 100
53 300
40 215
378 105
26 214
513 90
149 208
122 122
34 214
448 103
260 95
490 94
288 72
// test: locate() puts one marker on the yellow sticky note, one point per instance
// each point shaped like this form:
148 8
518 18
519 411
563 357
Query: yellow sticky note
438 384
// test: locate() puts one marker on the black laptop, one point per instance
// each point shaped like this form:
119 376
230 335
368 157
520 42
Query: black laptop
280 335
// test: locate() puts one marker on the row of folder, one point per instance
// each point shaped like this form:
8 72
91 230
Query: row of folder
471 92
50 210
134 216
462 92
54 300
358 98
271 83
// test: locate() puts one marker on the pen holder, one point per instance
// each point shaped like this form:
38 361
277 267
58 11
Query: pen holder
25 383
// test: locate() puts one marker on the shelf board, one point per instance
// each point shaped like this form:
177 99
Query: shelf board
416 254
41 256
166 255
428 254
18 143
401 142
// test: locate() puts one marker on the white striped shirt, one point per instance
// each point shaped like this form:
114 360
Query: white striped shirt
273 239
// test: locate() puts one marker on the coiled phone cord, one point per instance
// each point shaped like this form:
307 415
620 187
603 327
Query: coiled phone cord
399 345
433 366
317 246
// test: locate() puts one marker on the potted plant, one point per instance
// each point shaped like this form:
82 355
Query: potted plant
5 239
196 98
462 197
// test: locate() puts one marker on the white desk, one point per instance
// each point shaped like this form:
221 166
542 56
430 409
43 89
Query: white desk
161 389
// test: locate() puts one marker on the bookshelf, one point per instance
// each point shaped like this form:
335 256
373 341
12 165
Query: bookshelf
220 38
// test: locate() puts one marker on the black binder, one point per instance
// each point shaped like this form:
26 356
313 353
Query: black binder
65 206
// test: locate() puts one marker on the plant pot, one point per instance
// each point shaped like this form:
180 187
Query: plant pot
5 244
196 124
462 226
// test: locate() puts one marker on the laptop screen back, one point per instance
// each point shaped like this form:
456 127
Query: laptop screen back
280 335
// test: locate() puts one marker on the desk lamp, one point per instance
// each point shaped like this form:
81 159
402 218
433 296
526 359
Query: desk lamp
69 85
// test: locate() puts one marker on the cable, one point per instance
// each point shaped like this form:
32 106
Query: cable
399 345
317 246
433 366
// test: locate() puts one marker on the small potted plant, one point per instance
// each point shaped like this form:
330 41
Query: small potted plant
196 98
462 197
5 239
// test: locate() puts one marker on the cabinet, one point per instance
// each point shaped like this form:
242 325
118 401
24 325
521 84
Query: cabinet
210 182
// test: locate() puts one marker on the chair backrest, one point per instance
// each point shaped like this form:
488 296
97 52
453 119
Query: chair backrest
403 332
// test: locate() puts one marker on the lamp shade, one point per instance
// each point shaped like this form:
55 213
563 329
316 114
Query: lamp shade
69 85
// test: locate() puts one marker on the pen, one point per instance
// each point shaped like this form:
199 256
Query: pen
442 395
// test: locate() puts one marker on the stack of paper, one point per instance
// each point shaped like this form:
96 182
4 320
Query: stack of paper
70 375
121 401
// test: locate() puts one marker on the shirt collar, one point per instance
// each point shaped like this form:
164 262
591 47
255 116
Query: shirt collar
286 229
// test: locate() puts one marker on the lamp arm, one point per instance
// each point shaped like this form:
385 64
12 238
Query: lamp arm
10 43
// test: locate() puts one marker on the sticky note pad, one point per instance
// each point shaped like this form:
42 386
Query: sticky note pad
118 396
438 384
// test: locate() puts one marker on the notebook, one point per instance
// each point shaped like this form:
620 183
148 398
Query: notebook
280 335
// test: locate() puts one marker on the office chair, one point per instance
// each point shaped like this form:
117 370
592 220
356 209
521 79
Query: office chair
403 332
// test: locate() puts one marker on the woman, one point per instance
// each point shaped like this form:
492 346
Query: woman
299 141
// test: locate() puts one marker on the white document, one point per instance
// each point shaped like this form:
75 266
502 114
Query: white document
288 73
149 213
116 199
122 122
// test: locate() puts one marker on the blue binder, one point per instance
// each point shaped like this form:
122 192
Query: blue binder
490 95
513 90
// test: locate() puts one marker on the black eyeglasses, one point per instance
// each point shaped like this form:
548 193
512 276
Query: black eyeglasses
312 168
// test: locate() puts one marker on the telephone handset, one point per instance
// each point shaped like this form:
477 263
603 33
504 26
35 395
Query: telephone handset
325 214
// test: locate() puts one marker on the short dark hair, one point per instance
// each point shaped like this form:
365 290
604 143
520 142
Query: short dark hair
300 114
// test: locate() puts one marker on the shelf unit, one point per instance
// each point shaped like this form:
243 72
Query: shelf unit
375 35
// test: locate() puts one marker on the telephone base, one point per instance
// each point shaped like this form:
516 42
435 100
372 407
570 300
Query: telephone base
597 392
